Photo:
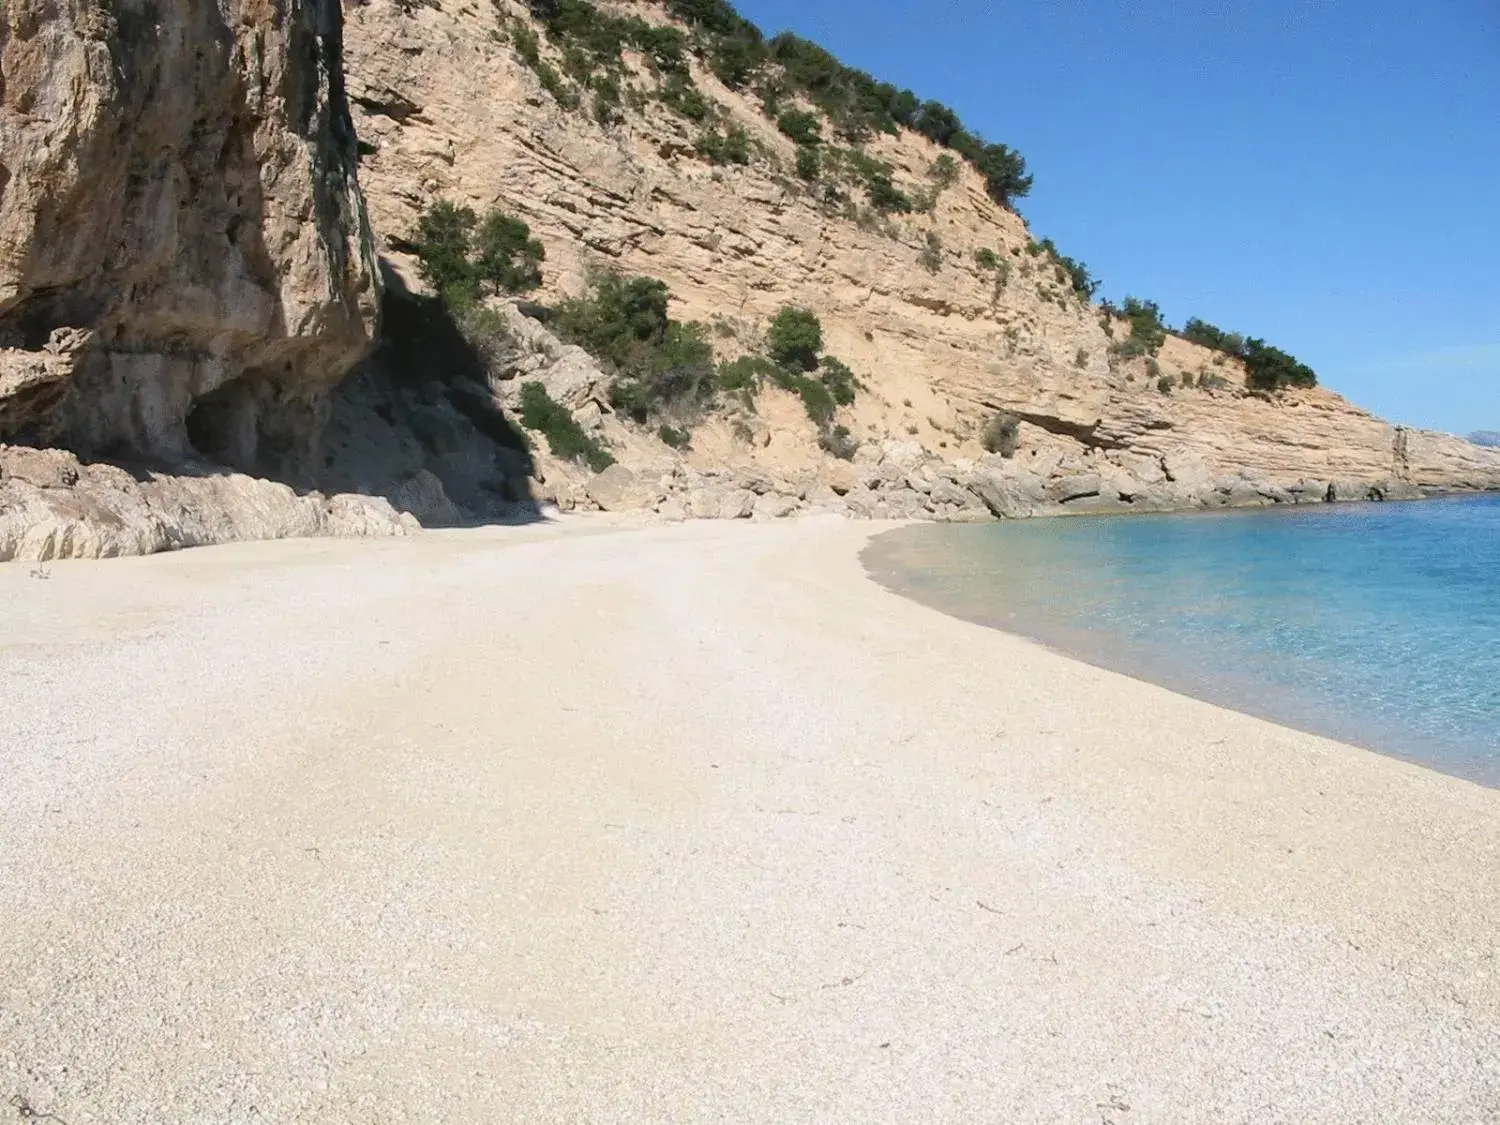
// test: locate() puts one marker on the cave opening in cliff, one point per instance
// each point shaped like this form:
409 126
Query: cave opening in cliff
220 428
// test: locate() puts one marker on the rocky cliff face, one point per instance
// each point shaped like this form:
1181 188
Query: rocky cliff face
185 264
447 110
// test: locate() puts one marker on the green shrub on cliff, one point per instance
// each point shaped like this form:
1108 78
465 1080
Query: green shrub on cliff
729 147
803 128
442 245
1147 330
857 104
746 373
1211 336
839 380
660 363
876 177
683 98
529 48
809 163
675 437
543 414
1267 368
817 399
505 256
795 338
1271 368
1002 434
464 258
593 39
1071 272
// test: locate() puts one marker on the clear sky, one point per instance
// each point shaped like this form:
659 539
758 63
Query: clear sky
1321 173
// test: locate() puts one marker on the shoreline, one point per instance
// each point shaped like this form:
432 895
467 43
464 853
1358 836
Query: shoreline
1132 659
697 822
54 506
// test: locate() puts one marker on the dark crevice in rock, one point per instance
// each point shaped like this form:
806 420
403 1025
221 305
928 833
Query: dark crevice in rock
388 104
1086 434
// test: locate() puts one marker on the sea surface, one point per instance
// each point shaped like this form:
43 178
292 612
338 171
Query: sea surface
1377 624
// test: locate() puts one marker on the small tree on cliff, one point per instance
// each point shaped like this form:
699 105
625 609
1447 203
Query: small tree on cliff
442 246
463 265
1271 368
796 338
506 256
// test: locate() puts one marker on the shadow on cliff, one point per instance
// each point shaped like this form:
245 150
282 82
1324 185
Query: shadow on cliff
416 423
419 423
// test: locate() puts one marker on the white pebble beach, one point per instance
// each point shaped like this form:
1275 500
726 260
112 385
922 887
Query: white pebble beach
579 823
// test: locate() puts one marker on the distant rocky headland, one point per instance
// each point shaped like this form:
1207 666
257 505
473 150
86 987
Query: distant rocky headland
273 269
1485 437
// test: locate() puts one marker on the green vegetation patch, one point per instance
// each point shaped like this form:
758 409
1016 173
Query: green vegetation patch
872 175
1002 434
802 127
464 258
1271 368
856 103
675 437
795 338
659 362
666 367
541 413
729 147
1070 271
839 380
1148 332
1268 368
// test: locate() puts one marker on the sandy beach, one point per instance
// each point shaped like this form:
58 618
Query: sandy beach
690 824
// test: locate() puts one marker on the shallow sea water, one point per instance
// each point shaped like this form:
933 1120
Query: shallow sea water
1377 624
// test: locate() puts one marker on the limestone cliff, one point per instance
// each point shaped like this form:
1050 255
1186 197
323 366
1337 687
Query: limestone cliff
446 109
185 265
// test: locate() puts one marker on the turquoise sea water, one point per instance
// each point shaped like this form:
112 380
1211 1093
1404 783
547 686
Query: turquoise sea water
1377 624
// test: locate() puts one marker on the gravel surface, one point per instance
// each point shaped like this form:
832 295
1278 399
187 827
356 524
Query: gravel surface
690 824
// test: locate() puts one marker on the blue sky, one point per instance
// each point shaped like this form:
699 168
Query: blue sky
1321 173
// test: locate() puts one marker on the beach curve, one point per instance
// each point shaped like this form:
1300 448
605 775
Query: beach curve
691 823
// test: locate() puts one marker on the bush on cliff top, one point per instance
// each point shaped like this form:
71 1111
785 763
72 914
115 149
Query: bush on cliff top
739 55
1271 368
1211 336
1076 273
1267 368
1147 329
